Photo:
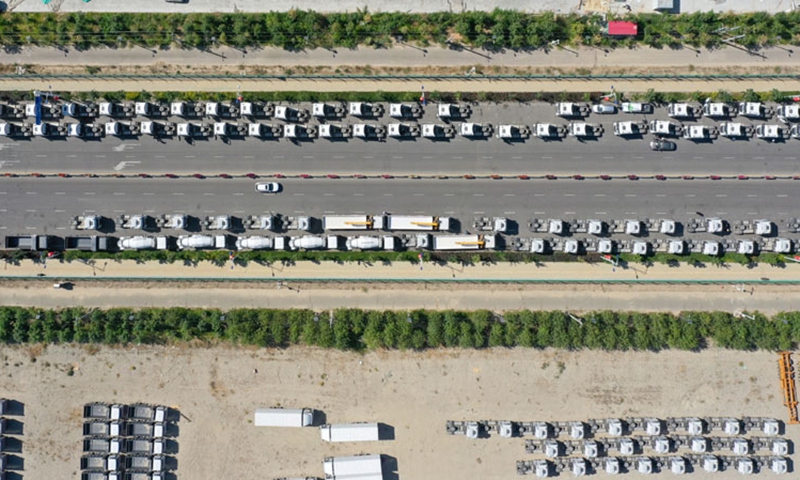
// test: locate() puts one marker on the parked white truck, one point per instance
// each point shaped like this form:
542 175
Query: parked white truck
352 222
365 467
350 432
284 417
463 242
367 242
417 222
201 241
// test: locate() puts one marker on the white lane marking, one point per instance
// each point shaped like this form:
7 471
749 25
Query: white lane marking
149 194
61 228
59 211
599 194
60 193
31 211
277 156
728 158
538 213
119 193
758 158
661 213
71 156
608 158
249 156
119 211
547 158
99 156
3 193
388 194
478 195
239 194
358 194
30 228
189 156
781 195
159 156
397 157
30 193
449 194
751 195
638 158
599 213
338 156
449 213
419 194
509 213
630 194
487 158
660 195
720 195
457 158
699 158
41 156
752 213
690 195
577 158
478 213
126 164
569 194
207 194
328 194
517 158
88 193
294 194
177 193
722 213
427 157
149 211
368 156
308 157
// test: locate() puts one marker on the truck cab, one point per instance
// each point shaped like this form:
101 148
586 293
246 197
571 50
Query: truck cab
227 129
718 110
187 109
148 109
665 128
476 130
290 114
452 111
699 132
754 110
264 130
325 110
79 110
585 130
51 130
789 112
222 110
403 111
11 111
403 130
117 110
635 107
368 131
158 129
365 110
16 130
735 130
299 132
772 133
257 109
629 129
513 132
329 130
194 130
120 129
682 110
438 131
571 110
87 130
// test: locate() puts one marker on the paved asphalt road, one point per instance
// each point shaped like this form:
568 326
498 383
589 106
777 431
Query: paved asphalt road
46 204
608 155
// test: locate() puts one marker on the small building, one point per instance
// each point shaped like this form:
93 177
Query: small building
622 29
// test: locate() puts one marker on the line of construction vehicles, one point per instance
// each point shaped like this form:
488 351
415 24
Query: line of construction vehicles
214 237
419 232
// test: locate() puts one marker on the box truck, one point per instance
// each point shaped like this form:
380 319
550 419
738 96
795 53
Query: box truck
284 417
365 467
350 432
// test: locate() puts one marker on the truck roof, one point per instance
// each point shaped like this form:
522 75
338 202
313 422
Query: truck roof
355 465
349 432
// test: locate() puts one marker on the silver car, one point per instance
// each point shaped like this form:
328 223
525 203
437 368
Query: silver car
604 109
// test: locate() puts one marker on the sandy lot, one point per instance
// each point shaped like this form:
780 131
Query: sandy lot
217 389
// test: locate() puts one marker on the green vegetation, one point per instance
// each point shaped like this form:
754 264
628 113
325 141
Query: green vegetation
297 29
266 257
348 329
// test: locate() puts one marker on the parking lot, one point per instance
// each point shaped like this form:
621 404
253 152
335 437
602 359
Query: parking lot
217 390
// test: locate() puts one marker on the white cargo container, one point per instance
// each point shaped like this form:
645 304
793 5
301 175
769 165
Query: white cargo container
284 417
417 222
141 242
352 222
463 242
350 432
365 467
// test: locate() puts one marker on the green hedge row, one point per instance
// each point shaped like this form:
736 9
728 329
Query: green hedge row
265 257
307 29
420 329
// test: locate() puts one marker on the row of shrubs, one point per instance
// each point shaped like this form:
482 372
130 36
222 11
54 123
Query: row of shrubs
358 330
298 29
266 257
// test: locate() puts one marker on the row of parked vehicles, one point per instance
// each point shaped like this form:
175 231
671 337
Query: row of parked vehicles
424 232
121 123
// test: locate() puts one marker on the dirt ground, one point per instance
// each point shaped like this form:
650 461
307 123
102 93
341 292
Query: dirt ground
217 390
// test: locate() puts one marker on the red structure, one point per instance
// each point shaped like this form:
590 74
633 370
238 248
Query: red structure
622 29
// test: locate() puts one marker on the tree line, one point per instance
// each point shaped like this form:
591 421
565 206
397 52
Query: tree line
361 330
297 29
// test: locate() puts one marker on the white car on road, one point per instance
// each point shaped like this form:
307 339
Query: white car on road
268 187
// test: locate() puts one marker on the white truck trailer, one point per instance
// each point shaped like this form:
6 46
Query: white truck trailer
141 242
284 417
352 222
365 467
350 432
417 222
463 242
